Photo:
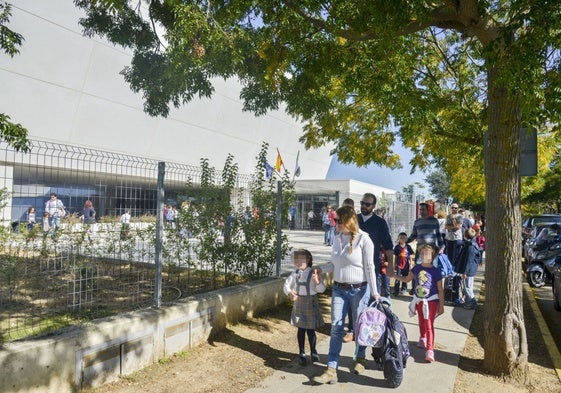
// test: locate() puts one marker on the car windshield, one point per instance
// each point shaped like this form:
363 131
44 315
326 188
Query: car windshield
547 220
541 220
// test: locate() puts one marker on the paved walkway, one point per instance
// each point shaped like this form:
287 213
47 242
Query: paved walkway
451 333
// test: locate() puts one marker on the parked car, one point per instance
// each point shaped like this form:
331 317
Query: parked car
539 219
557 288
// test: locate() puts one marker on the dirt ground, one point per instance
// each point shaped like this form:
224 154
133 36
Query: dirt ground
244 354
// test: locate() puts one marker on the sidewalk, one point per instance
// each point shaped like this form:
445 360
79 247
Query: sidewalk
451 333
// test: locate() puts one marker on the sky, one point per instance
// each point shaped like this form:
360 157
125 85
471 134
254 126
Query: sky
395 179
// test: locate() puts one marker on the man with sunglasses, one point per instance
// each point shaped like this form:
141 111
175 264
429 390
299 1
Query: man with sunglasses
377 229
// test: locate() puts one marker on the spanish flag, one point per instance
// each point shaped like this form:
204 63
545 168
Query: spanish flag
279 162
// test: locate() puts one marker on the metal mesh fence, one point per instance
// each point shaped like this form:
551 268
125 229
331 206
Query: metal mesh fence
52 276
399 210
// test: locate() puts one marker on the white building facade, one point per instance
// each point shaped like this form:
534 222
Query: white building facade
66 88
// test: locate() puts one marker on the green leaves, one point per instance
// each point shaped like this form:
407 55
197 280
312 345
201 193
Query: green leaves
14 134
361 76
9 39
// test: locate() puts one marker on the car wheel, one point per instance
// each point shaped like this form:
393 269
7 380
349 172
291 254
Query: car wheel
536 279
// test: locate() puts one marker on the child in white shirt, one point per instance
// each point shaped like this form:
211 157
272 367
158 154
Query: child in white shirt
301 287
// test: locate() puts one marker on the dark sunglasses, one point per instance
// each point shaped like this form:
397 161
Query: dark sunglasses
338 221
367 204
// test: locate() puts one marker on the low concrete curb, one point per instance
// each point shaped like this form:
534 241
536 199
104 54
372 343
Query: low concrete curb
98 352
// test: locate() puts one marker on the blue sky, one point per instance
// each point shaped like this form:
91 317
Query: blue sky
384 177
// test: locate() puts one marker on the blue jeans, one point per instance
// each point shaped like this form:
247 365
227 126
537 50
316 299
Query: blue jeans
383 282
326 229
341 300
54 223
331 235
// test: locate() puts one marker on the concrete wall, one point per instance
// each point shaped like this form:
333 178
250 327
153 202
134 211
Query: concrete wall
99 352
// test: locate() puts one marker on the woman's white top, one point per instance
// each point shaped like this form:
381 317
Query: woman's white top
355 267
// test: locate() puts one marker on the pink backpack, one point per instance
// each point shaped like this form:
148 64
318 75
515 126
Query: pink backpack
370 327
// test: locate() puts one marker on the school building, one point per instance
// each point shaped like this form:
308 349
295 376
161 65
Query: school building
92 139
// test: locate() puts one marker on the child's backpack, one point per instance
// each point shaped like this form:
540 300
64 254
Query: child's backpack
392 355
370 327
444 264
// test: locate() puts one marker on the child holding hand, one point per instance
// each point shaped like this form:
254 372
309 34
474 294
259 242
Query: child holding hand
302 287
428 297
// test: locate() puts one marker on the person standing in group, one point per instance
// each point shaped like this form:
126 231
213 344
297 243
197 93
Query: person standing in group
404 256
428 296
247 216
45 223
453 225
454 236
349 202
88 213
377 229
170 215
88 217
291 217
350 326
426 229
332 225
384 282
311 216
441 217
125 224
467 263
327 221
479 237
467 222
352 264
55 208
302 287
31 218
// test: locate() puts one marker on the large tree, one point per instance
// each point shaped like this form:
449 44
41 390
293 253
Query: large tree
452 79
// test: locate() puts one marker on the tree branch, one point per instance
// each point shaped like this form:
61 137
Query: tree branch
461 16
474 140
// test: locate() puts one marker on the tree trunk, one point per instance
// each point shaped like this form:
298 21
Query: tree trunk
506 349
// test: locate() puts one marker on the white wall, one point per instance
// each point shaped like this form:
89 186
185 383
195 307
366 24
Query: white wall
346 187
66 88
